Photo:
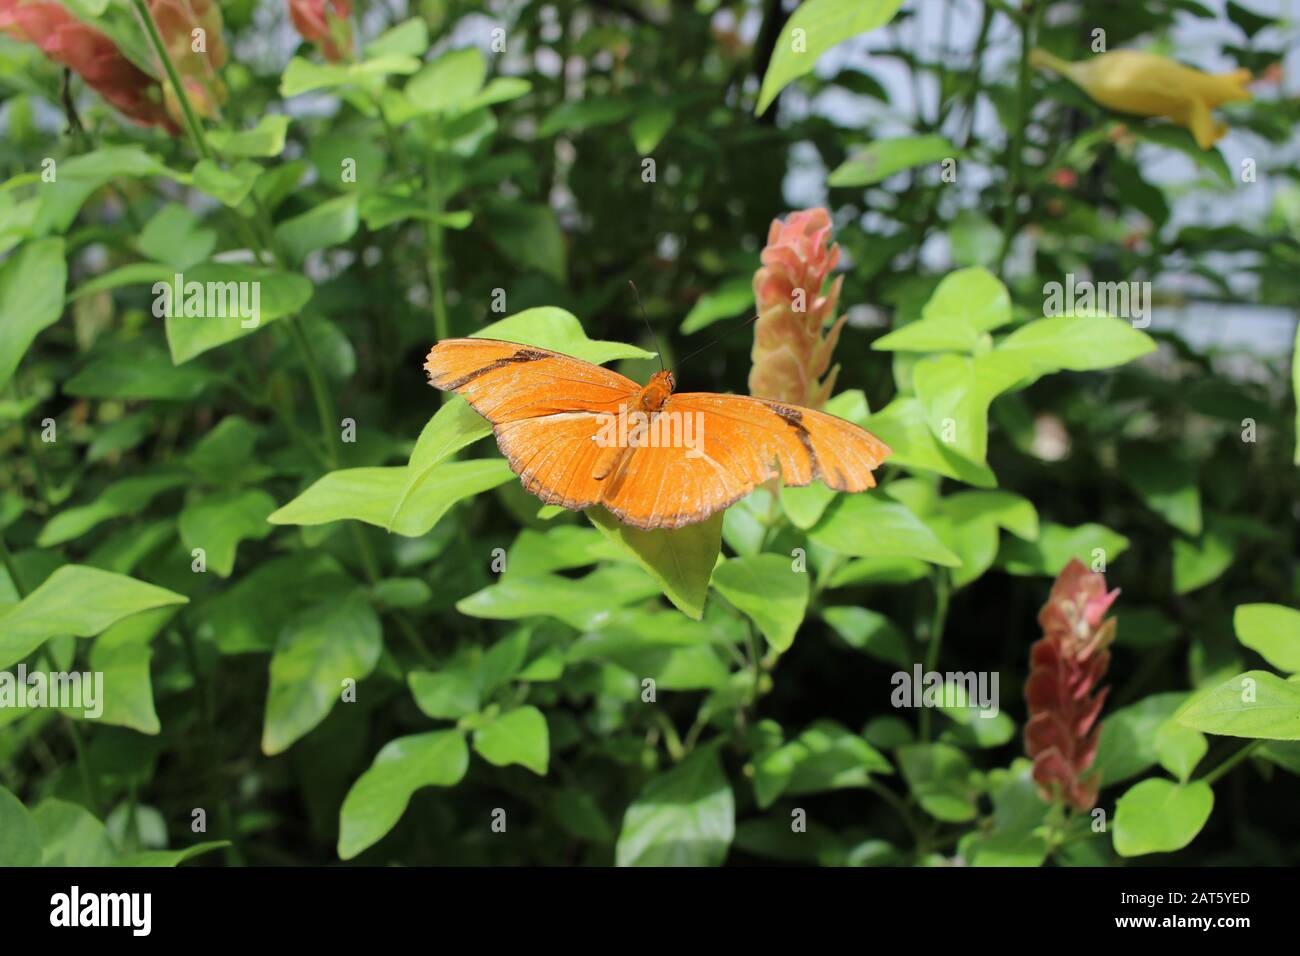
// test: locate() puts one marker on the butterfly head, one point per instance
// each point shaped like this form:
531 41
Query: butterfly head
657 390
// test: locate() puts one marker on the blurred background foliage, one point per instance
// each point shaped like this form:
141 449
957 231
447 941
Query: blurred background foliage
499 156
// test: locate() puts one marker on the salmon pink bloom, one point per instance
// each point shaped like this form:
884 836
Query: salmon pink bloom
326 23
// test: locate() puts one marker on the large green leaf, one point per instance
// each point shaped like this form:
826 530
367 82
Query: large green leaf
219 522
685 816
330 223
20 841
379 496
902 425
550 328
518 736
448 82
529 235
264 140
813 28
1160 816
1127 744
680 560
583 603
964 308
1271 629
1078 343
1056 545
767 589
75 600
1254 704
82 175
31 298
71 835
278 294
939 777
126 497
452 427
826 756
379 797
867 525
321 647
885 157
1165 482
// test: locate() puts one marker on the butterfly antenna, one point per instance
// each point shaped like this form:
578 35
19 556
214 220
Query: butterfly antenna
649 328
748 322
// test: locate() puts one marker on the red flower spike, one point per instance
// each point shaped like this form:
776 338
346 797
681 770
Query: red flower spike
1065 666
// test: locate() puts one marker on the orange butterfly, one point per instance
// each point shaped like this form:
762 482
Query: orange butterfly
580 435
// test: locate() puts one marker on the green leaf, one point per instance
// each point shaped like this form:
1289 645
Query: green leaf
964 307
685 816
277 294
680 560
1007 509
170 858
956 408
649 127
805 505
1127 744
138 374
81 176
1077 343
1273 631
448 82
32 281
174 236
265 140
730 298
249 615
903 427
378 496
1015 838
318 650
826 756
560 331
453 427
75 600
884 158
576 115
518 736
379 797
767 590
70 835
123 654
219 522
1165 482
1159 816
303 76
229 186
20 841
583 603
125 497
870 632
448 693
976 240
1179 748
1295 390
813 28
557 549
529 236
1200 562
1056 545
866 525
330 223
939 777
408 38
1254 704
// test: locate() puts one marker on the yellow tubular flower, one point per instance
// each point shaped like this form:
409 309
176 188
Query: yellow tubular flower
1131 81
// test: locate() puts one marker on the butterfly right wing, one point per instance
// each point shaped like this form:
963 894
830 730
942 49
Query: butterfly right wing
546 409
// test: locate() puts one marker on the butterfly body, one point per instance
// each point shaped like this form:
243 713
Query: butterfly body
579 435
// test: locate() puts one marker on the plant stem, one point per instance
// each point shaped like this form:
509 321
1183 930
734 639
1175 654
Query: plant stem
89 791
1232 761
191 118
1028 27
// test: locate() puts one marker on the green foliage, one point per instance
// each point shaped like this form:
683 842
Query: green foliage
324 608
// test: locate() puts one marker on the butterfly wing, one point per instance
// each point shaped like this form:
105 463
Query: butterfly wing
740 442
544 407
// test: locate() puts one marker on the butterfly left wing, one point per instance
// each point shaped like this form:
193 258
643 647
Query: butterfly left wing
740 442
545 408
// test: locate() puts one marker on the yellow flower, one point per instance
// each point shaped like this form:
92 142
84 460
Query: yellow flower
1131 81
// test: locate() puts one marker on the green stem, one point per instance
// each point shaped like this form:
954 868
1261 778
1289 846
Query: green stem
1028 27
38 473
1232 761
191 118
11 567
89 790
